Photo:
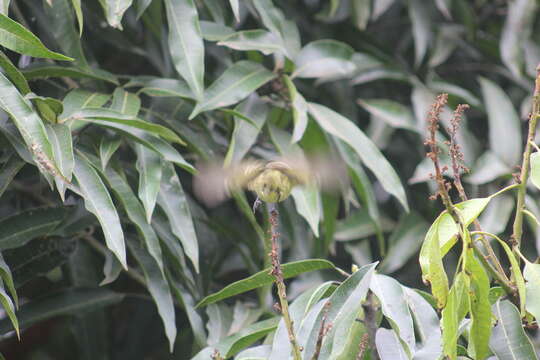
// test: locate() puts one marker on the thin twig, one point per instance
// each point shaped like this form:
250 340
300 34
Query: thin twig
280 283
524 176
370 322
323 330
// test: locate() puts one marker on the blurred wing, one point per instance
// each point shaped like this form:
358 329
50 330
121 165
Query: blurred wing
213 184
329 173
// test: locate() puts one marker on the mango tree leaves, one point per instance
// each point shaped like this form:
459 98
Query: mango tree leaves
114 11
503 120
235 84
453 313
98 201
324 59
509 340
16 37
62 145
344 129
260 40
535 169
531 273
264 278
158 288
20 228
173 201
186 43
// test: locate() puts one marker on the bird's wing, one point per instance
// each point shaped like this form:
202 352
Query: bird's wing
214 183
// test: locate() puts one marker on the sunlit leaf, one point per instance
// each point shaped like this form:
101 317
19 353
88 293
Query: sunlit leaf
324 59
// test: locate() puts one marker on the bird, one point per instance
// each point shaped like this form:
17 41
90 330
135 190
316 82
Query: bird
271 180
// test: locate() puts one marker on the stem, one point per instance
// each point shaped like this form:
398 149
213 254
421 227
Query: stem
281 289
522 188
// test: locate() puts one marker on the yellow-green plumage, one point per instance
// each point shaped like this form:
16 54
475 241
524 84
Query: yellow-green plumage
271 185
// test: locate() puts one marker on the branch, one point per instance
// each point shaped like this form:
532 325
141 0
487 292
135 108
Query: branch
524 176
281 289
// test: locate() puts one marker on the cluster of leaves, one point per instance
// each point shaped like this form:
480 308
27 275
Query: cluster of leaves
98 141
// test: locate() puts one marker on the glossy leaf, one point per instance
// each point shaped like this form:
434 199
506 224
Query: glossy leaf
19 229
245 134
346 297
16 37
125 102
78 13
509 340
235 84
324 59
517 28
503 120
159 289
259 40
150 171
393 113
50 71
107 148
186 44
114 10
388 345
98 201
173 201
263 278
14 74
344 129
535 169
67 302
79 99
421 28
531 273
299 110
62 145
8 171
154 86
453 313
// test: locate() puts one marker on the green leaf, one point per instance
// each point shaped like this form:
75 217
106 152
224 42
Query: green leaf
517 29
125 102
4 8
67 302
503 121
535 169
231 345
212 31
186 43
235 84
173 201
99 116
392 112
98 201
107 147
159 289
421 28
531 273
275 21
509 340
153 86
341 127
62 145
480 311
78 13
13 73
235 6
453 313
299 110
186 300
404 242
150 171
427 326
487 168
247 40
446 230
324 59
308 204
245 133
263 278
16 37
114 10
8 171
394 308
78 99
50 71
348 296
61 25
361 11
28 123
389 346
7 278
20 228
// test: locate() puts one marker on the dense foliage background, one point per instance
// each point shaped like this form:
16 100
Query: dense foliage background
109 106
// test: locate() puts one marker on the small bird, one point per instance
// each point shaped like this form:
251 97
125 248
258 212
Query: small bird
272 181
